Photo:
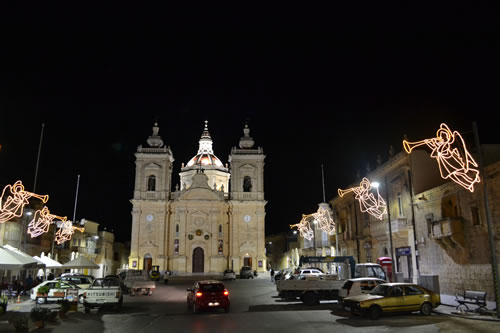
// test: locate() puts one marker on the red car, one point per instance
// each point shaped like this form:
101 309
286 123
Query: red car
208 294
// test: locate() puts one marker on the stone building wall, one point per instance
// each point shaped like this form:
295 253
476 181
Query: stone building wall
467 265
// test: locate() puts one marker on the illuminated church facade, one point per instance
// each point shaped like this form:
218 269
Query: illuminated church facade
213 220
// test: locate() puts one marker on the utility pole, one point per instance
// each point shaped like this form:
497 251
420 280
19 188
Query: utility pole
390 229
38 158
494 265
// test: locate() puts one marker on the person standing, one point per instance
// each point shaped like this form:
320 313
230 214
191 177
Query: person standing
272 275
29 282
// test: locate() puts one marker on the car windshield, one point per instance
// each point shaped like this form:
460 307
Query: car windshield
212 287
380 290
106 283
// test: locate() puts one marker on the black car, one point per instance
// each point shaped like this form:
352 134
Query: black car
246 272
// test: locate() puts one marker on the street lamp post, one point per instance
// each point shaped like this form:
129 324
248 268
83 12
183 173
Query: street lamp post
28 212
376 185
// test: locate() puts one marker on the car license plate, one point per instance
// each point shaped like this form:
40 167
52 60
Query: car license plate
213 304
347 308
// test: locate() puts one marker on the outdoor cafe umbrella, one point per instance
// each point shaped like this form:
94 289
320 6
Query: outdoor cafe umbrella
14 260
49 262
80 262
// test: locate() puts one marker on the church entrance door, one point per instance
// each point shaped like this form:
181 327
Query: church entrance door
148 262
247 261
198 260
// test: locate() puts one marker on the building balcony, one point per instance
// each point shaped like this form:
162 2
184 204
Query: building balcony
247 196
380 229
449 232
399 227
150 195
86 250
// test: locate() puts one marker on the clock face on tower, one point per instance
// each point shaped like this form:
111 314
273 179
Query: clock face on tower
149 217
247 218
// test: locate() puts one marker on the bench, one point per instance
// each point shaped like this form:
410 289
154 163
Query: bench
471 297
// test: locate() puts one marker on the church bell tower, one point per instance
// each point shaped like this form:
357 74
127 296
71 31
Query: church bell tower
247 205
153 177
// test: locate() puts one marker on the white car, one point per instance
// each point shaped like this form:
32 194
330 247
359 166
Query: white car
82 281
57 291
310 272
229 275
358 286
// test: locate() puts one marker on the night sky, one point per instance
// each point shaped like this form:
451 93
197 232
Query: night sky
314 88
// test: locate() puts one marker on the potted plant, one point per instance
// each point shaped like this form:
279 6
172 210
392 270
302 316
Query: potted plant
38 315
43 291
59 293
20 323
65 306
3 304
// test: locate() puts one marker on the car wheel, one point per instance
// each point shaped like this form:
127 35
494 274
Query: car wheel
375 312
41 300
87 309
310 298
426 309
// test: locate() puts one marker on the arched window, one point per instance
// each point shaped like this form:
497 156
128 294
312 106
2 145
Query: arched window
220 230
176 230
151 183
247 184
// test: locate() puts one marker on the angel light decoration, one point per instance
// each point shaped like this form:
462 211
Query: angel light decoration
367 201
66 231
454 160
13 200
42 221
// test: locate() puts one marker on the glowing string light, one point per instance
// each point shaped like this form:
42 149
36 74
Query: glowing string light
12 206
304 227
367 202
42 221
66 231
452 156
325 221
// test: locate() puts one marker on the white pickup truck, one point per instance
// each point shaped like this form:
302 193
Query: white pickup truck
103 293
312 289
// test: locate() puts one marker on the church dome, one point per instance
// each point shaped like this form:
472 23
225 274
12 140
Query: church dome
205 155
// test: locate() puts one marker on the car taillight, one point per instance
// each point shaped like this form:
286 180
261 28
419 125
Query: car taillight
199 294
226 293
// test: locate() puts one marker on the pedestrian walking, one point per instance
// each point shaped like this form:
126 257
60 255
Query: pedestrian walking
272 275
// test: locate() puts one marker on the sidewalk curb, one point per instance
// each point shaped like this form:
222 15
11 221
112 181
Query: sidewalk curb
482 318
